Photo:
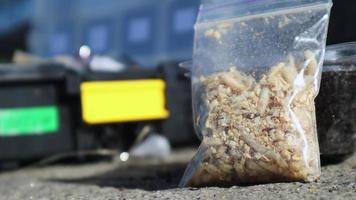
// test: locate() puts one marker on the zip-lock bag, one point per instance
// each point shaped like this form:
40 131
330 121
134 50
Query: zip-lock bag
256 72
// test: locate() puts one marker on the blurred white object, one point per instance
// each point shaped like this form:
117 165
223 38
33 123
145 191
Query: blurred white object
154 146
106 64
124 156
84 52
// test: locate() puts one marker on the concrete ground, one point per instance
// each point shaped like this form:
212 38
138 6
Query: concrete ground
154 179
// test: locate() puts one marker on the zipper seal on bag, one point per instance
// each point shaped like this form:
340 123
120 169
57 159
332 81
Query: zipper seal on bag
249 8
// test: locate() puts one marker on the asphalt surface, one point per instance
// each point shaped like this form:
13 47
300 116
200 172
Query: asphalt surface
158 179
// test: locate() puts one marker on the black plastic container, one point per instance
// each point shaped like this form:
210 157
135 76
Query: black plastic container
336 103
34 111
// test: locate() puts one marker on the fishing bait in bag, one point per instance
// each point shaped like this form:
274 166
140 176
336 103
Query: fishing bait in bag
256 72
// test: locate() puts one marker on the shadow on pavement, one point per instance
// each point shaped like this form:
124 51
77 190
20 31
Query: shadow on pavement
143 176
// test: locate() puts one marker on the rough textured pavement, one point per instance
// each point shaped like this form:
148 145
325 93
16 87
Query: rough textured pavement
153 179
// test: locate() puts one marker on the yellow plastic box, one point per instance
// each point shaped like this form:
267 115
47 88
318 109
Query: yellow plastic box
123 101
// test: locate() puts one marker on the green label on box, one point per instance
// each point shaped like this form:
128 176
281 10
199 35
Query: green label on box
29 121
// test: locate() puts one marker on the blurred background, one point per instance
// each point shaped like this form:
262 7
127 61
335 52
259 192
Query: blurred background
148 32
71 71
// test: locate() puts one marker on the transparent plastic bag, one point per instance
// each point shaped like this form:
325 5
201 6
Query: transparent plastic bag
256 72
